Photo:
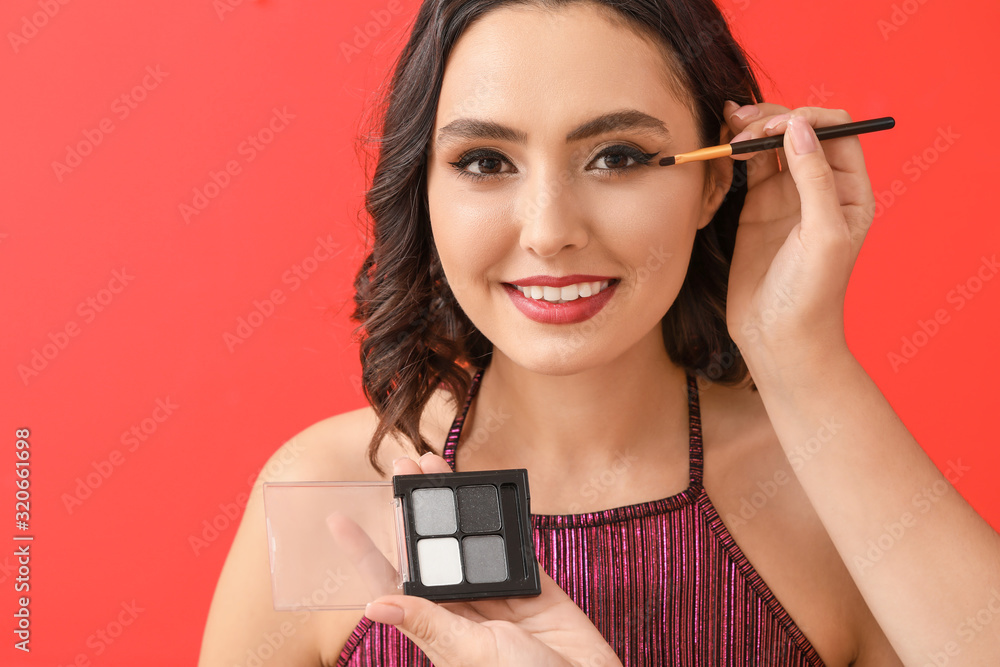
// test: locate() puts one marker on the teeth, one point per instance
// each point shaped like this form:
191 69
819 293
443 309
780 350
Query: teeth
563 294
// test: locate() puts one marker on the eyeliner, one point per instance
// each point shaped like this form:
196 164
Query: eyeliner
778 140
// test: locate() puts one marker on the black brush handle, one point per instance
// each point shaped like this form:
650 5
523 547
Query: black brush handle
822 133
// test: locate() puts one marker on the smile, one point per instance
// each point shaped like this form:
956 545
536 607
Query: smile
563 294
562 305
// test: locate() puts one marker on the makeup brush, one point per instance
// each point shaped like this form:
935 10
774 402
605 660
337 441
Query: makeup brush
778 140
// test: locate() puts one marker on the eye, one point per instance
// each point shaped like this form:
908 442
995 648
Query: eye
485 160
490 162
621 154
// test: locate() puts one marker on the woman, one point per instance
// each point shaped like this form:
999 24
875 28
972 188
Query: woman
685 516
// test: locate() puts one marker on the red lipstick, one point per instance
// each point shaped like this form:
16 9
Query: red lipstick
571 312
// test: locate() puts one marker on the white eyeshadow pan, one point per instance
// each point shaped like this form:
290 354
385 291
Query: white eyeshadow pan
440 563
434 512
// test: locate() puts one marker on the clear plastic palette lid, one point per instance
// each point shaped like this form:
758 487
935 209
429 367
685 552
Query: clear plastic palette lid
343 564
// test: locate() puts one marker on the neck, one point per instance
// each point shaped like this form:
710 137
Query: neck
634 406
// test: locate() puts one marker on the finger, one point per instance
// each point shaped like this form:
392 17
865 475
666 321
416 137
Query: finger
512 609
376 571
469 610
747 123
843 154
431 462
813 176
739 117
404 465
761 165
447 638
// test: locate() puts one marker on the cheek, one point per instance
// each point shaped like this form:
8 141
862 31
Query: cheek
468 233
652 225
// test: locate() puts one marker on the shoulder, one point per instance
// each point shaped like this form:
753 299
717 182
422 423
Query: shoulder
754 486
336 448
241 612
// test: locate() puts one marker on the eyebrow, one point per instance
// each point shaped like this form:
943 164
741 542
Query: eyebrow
614 121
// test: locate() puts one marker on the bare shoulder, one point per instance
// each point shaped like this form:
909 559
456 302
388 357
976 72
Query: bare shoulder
242 621
753 484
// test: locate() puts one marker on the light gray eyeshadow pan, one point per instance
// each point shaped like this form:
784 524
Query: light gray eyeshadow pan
434 511
485 559
479 507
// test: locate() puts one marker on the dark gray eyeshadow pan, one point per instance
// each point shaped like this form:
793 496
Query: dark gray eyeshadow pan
479 508
434 511
485 559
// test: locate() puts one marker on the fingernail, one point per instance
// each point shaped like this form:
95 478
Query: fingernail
398 459
747 112
742 136
803 139
384 613
776 122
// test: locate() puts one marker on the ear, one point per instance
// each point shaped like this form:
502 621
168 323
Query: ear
718 179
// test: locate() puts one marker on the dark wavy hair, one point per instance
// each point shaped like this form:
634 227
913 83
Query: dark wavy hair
413 334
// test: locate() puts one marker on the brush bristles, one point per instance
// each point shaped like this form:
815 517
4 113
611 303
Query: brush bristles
667 161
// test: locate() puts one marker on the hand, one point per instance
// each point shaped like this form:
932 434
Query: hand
799 233
547 630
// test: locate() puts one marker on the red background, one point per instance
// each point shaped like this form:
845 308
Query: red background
162 335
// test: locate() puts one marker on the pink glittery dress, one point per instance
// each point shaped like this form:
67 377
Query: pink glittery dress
663 581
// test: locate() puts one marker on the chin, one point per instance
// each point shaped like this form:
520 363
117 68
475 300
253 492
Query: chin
570 355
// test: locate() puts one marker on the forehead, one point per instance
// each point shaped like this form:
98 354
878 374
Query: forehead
545 70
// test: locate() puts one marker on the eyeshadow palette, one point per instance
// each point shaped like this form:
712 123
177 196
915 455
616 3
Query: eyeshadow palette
467 535
450 536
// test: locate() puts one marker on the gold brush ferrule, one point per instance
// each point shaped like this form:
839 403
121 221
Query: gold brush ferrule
711 153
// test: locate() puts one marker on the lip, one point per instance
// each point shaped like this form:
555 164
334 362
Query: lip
558 281
571 312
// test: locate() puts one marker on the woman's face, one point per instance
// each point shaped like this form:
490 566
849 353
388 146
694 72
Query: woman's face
547 206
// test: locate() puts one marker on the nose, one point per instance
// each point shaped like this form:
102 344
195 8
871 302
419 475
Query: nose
550 214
